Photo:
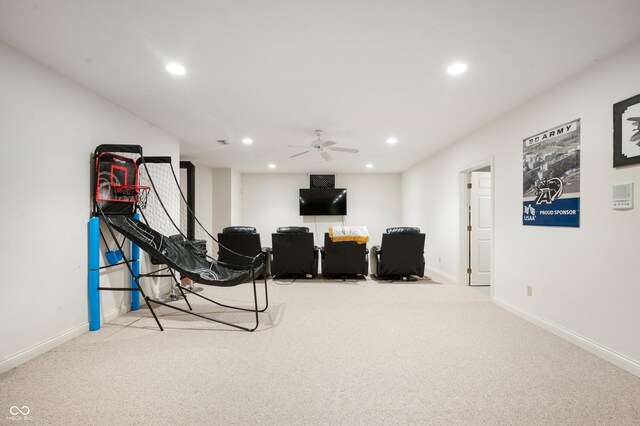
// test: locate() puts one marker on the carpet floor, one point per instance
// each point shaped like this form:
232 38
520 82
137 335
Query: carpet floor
326 352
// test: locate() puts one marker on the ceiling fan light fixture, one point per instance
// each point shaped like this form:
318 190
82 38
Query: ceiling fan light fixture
322 147
175 68
457 68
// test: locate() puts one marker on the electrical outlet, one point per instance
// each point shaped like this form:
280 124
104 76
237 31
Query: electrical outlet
529 290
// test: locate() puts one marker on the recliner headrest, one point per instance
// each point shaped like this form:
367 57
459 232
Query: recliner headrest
403 230
239 230
292 230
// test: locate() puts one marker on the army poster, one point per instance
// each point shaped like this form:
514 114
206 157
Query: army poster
551 177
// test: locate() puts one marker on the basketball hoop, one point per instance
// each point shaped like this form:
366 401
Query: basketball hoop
135 193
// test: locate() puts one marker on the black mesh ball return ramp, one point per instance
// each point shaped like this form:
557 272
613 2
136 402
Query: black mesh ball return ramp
156 223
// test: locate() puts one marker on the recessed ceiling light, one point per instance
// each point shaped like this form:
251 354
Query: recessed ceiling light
247 141
392 141
369 166
457 68
175 68
272 166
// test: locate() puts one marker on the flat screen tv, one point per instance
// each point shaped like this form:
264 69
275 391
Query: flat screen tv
323 202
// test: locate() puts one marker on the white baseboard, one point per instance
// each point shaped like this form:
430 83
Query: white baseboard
588 345
115 313
42 347
439 276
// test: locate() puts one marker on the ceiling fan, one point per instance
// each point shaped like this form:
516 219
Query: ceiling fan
321 146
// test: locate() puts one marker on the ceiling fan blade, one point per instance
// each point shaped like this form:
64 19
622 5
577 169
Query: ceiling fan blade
326 156
327 143
353 150
298 146
303 152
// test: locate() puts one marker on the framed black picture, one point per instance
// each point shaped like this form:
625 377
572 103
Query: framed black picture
626 132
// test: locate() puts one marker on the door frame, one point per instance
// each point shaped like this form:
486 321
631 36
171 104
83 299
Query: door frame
464 177
191 197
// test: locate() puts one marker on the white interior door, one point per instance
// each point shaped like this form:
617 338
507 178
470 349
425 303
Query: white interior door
481 223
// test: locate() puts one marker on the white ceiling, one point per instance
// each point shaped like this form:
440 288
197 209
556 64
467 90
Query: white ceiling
276 70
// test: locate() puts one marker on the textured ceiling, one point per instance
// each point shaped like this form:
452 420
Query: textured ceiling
277 70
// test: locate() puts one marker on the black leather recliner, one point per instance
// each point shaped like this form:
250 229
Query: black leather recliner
400 255
344 258
294 253
245 241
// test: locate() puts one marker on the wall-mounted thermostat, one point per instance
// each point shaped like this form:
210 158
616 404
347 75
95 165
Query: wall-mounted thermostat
622 196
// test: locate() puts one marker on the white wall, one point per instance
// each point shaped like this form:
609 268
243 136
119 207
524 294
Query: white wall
49 127
221 210
585 280
236 197
270 200
204 197
204 202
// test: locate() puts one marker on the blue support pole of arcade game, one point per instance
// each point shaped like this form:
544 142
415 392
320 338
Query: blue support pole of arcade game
135 268
94 274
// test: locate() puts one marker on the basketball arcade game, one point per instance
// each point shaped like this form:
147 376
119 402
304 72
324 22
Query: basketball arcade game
138 213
